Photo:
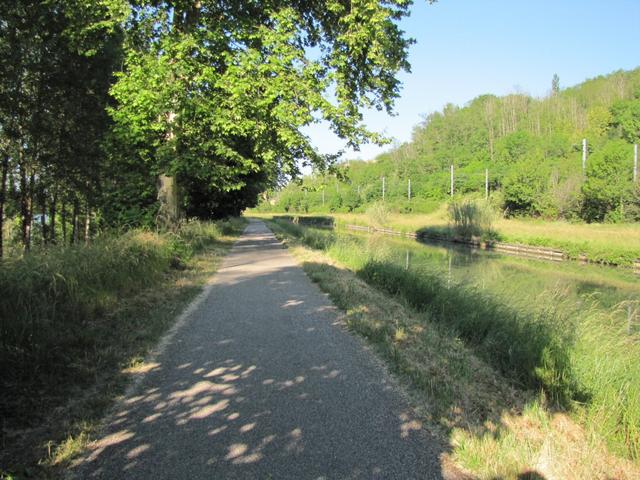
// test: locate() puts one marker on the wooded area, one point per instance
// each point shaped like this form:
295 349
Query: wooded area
531 150
117 113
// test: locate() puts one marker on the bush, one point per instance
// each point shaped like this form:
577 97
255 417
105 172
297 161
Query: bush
351 200
525 189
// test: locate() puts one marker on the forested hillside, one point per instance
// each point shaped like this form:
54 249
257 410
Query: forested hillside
530 149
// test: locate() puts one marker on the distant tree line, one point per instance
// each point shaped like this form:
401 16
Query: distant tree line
531 147
138 112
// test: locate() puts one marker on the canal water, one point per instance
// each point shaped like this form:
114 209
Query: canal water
518 281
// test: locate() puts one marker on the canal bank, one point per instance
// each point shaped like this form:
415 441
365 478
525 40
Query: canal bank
554 328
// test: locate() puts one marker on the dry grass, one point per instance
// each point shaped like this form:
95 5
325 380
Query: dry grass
489 428
550 444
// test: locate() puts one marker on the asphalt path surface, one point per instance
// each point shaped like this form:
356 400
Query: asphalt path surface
259 380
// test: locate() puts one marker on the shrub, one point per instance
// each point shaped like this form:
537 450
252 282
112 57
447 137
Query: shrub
351 200
525 189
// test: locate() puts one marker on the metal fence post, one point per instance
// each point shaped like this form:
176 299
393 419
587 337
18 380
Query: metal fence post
584 157
451 189
486 183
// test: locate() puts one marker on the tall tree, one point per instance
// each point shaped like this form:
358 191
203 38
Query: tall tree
216 92
56 62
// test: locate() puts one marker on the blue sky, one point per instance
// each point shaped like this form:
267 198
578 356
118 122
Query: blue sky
466 48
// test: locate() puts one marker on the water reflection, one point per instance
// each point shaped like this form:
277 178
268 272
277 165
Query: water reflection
519 281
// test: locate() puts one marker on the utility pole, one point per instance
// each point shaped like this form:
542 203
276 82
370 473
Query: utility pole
486 183
451 189
635 162
584 157
383 189
409 190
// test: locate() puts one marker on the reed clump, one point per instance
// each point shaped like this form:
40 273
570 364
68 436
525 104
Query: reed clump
471 218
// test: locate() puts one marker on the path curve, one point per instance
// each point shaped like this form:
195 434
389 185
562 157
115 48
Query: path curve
259 382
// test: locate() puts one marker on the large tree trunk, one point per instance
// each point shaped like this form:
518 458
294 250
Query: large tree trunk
3 196
169 213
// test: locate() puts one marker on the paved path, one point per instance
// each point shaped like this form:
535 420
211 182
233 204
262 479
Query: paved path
260 382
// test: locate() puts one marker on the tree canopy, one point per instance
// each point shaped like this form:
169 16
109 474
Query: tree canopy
99 98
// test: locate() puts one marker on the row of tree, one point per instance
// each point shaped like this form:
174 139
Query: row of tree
532 148
128 112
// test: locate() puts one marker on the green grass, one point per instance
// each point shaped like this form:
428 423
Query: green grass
75 318
586 365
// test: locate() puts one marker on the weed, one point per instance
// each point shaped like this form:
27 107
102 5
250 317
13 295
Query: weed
378 214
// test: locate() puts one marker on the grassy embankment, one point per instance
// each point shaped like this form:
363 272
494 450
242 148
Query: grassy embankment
616 244
75 323
513 389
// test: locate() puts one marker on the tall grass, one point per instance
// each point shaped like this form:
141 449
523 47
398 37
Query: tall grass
530 348
584 361
606 362
48 298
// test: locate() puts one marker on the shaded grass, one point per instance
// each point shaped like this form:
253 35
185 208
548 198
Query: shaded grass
492 429
532 349
77 317
585 364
